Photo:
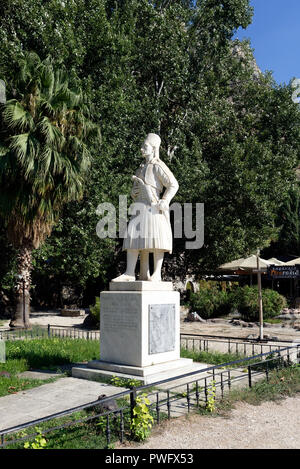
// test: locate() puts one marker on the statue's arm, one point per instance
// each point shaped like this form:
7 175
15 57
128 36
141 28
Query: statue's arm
170 183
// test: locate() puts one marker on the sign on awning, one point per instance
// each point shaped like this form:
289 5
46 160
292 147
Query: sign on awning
284 271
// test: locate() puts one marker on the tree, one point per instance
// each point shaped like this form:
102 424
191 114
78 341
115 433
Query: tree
231 137
287 243
43 161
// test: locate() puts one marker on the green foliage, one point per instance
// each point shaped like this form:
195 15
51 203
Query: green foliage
95 310
44 152
44 353
39 441
211 397
288 219
15 384
125 382
210 302
84 435
282 383
245 300
213 358
142 421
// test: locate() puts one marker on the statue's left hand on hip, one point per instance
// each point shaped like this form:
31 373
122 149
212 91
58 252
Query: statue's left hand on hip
163 205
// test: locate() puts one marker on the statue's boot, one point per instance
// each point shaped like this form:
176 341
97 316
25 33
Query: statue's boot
155 278
124 278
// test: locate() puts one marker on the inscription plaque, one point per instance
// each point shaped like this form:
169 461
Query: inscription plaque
161 328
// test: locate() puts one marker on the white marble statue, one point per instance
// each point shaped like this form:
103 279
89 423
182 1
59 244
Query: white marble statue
149 230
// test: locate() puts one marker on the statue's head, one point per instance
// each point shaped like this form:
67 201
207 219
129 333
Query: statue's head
150 147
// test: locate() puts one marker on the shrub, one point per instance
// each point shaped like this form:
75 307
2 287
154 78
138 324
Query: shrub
245 300
95 312
210 302
142 421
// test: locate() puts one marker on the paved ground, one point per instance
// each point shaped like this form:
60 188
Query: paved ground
272 425
50 398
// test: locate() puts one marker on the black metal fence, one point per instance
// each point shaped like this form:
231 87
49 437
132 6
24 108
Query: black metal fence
57 331
232 345
169 397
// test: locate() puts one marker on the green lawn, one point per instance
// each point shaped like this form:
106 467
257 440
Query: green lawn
23 355
53 352
213 358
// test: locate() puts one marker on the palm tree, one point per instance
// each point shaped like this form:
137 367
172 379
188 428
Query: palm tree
44 158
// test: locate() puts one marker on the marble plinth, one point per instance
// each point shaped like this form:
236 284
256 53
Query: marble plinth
139 328
139 332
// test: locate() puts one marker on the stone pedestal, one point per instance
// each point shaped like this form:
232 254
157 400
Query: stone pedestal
139 333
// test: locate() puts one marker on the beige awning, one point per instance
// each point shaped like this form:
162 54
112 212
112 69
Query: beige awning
275 261
293 261
247 264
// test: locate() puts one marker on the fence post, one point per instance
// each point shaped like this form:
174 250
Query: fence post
188 398
249 376
121 426
157 407
168 404
132 404
108 431
48 328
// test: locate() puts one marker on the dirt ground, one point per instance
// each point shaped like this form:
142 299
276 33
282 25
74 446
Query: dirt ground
226 329
271 425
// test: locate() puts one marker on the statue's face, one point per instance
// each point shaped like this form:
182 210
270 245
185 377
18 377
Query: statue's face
147 150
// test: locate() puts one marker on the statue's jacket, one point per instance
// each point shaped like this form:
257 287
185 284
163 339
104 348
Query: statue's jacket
149 227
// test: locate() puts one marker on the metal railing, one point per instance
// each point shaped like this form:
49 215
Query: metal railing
42 332
169 396
232 345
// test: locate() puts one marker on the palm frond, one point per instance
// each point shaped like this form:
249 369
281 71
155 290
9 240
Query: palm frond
51 132
16 116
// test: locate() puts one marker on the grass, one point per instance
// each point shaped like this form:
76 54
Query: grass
15 384
53 352
50 354
273 321
213 358
83 435
281 384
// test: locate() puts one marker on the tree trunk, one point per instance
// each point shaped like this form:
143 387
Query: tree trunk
20 318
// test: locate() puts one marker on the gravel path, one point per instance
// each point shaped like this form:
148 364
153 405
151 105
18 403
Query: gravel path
271 425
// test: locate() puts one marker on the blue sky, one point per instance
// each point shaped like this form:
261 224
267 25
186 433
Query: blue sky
275 37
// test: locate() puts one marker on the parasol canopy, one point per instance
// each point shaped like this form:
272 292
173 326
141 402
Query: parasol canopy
247 264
